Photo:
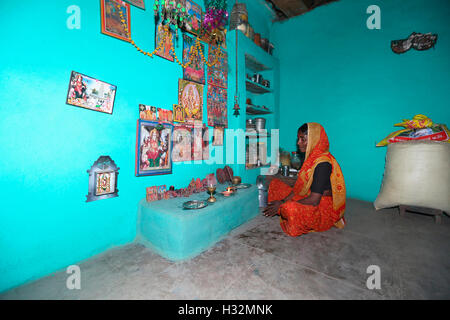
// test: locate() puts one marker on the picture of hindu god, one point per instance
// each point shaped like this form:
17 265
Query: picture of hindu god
191 102
78 88
164 52
178 114
150 150
164 148
104 183
112 17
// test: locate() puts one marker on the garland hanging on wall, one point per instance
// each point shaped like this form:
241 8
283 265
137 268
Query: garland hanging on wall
173 14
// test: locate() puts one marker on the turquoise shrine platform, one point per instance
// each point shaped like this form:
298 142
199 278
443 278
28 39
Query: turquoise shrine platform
178 234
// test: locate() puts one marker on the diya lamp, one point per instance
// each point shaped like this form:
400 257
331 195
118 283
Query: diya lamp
211 189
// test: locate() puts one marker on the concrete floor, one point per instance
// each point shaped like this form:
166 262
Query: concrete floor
258 261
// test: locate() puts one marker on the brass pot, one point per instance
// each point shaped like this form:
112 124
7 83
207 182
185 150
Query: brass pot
236 180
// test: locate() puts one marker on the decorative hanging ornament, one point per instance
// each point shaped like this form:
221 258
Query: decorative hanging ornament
173 14
215 20
236 95
217 53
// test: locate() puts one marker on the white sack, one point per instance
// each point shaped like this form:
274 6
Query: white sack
417 173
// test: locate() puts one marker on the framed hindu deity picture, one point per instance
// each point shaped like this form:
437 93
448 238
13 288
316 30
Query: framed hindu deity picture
218 136
197 143
137 3
205 136
148 112
161 191
111 19
102 179
165 50
217 106
190 97
165 115
196 70
195 17
182 143
218 73
151 194
90 93
153 148
178 113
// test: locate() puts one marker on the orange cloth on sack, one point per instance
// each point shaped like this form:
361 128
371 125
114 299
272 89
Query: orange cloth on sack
296 218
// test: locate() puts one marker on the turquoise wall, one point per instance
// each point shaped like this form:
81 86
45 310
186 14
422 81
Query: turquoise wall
337 72
47 146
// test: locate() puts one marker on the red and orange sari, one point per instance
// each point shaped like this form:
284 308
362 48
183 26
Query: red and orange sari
296 218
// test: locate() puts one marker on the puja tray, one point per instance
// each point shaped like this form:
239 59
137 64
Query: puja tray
195 204
243 186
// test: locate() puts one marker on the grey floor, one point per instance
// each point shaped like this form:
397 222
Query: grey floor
258 261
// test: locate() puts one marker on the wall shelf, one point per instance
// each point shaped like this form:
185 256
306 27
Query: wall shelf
256 87
256 135
254 65
255 110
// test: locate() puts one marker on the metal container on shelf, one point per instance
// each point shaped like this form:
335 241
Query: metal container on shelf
239 17
260 124
264 44
250 32
270 48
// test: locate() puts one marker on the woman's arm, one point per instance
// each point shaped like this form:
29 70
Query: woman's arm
312 200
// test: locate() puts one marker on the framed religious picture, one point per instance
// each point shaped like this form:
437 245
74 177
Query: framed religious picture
218 136
137 3
148 112
197 143
111 19
165 50
205 135
161 191
218 73
190 97
217 106
165 115
90 93
102 179
195 17
196 70
182 143
151 194
153 148
178 113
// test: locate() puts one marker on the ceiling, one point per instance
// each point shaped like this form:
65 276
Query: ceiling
285 9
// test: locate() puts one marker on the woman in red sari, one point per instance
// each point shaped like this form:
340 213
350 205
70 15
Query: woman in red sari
316 201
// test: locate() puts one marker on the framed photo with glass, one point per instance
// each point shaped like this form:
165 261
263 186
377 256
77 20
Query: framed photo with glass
102 179
90 93
153 148
111 19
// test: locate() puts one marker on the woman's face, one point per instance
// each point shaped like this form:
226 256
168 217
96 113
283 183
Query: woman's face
302 141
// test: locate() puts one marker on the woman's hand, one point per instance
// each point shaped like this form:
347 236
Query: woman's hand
272 208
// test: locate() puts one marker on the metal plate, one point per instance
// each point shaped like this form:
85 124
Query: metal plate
195 204
243 186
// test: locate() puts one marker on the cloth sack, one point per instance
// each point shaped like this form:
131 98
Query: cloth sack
417 173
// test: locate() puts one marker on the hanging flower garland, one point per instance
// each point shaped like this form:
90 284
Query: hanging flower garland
176 15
